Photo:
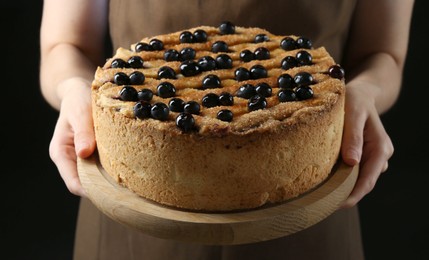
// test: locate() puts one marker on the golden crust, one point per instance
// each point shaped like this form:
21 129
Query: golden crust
265 156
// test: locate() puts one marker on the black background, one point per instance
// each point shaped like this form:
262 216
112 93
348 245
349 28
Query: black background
37 218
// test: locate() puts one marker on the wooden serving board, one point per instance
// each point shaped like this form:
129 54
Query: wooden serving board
230 228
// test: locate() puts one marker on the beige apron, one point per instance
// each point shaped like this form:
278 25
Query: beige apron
325 23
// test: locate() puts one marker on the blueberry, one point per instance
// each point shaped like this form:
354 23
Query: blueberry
156 45
166 72
256 102
166 90
176 105
135 62
226 99
142 110
186 122
189 68
247 56
118 63
137 78
186 37
145 94
142 46
120 78
258 71
246 91
187 54
171 55
200 36
261 38
242 74
227 28
219 46
289 62
159 111
211 81
288 44
304 58
207 63
223 61
192 107
304 43
303 79
285 81
263 89
225 115
262 53
304 92
128 93
336 71
286 95
210 100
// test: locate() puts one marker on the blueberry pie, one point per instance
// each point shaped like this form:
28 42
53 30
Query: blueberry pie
219 118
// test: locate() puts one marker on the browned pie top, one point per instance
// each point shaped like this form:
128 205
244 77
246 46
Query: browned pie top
326 86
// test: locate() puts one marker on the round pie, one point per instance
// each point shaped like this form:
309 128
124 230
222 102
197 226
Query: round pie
219 118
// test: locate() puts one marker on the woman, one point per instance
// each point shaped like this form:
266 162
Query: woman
369 38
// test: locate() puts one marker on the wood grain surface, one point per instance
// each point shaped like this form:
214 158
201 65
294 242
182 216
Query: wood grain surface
227 228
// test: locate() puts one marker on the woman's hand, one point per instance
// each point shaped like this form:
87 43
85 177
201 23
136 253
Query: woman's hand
365 141
74 134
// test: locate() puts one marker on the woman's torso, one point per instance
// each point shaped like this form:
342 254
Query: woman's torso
326 22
